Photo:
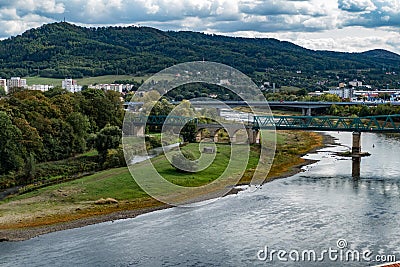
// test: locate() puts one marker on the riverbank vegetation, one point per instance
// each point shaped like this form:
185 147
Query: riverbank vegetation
76 199
56 125
362 110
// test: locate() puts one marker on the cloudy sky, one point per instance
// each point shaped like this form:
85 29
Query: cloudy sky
341 25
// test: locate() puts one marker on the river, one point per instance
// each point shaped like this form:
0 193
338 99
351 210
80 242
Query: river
308 211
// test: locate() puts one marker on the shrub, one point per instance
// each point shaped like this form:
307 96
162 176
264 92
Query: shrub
185 161
114 158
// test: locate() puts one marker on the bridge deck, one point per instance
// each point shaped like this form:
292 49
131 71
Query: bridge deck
384 123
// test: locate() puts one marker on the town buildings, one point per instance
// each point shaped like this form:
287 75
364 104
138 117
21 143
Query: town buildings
41 87
342 92
71 85
113 87
16 82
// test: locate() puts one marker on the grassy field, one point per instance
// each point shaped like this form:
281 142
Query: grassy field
76 199
83 81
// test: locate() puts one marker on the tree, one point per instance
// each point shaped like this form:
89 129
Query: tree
81 126
330 98
162 107
301 92
30 167
11 150
364 111
188 132
108 138
2 91
31 139
102 108
384 96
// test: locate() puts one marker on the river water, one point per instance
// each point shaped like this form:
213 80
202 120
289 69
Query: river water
309 211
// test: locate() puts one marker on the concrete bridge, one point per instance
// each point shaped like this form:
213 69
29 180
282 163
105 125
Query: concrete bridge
137 128
253 135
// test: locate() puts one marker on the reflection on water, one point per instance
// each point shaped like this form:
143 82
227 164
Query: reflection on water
309 211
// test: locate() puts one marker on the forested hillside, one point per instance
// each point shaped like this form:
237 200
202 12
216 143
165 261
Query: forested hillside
63 49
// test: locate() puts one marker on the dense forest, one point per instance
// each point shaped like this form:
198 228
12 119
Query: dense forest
43 127
63 49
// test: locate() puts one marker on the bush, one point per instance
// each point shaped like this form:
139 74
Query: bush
114 158
185 161
152 141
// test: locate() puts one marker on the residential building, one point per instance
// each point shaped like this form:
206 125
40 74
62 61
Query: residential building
114 87
356 83
317 93
41 87
71 85
16 82
342 92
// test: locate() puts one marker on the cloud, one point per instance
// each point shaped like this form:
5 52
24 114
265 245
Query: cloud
24 7
372 14
350 39
283 7
13 24
356 5
229 17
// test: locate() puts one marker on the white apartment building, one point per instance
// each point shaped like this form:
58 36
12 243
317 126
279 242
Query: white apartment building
15 82
71 86
114 87
356 83
342 92
41 87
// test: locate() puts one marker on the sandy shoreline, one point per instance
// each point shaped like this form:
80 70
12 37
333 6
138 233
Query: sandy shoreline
28 233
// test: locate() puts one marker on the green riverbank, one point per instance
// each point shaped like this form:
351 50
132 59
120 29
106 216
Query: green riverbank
73 204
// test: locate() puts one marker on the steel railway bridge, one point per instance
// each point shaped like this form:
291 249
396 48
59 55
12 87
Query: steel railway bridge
382 123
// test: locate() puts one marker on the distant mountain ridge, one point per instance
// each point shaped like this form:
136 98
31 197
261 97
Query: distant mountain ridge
63 49
381 53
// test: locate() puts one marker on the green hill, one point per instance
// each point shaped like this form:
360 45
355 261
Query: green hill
61 49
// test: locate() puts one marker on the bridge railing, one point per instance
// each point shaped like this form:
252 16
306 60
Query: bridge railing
383 123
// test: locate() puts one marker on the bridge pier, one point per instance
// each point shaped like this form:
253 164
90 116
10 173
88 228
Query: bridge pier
198 137
306 111
356 167
250 135
356 148
216 137
257 136
356 155
218 111
253 136
138 130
